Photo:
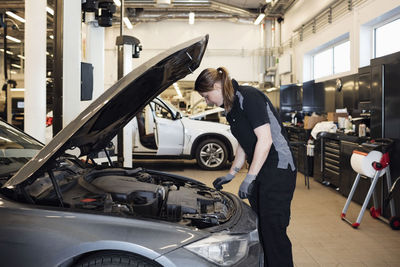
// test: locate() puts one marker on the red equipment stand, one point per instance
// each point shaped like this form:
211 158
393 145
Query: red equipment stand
375 211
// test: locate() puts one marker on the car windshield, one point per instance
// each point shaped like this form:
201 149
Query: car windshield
16 148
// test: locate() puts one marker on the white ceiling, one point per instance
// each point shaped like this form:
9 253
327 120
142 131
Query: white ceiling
140 11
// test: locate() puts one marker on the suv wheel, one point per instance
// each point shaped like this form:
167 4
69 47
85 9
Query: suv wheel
211 154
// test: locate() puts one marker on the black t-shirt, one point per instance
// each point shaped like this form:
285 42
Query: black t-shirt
251 109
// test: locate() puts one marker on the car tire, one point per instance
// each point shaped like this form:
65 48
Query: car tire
115 259
211 154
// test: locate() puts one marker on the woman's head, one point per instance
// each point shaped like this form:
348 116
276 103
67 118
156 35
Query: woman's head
216 87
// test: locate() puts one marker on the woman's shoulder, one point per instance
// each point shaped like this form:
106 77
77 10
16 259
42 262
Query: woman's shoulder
247 90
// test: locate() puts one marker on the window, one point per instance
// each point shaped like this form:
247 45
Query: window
333 60
162 112
387 38
341 57
323 64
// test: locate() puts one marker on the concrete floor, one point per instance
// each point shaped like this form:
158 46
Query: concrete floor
319 237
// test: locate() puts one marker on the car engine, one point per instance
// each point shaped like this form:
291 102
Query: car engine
137 193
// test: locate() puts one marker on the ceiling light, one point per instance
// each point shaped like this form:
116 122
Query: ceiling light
268 1
8 52
117 2
17 89
21 57
177 89
259 18
16 66
161 3
13 39
51 37
13 72
50 10
15 16
191 17
127 23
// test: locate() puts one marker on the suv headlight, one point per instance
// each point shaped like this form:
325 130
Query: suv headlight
223 249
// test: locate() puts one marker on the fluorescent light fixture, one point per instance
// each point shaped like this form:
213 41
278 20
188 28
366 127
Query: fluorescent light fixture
8 52
259 18
17 89
177 89
15 16
13 72
51 37
161 3
268 1
117 2
13 39
21 56
191 17
16 66
50 10
127 23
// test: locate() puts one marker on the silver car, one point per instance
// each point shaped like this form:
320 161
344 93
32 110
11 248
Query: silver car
57 210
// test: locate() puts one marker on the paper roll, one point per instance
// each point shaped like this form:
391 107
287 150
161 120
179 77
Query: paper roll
362 164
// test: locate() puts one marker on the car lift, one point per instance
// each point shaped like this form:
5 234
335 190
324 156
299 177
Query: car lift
379 167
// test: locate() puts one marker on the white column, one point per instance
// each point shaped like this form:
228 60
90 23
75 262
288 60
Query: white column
261 56
71 59
94 54
35 68
127 131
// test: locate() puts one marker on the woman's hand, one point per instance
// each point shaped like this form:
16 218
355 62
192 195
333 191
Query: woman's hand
222 180
247 186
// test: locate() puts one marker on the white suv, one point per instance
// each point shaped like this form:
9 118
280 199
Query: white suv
161 131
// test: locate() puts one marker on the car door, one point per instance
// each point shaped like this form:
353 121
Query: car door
168 129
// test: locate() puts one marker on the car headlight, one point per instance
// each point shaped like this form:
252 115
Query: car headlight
223 249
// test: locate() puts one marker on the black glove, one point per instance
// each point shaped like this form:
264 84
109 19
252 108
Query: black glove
247 186
222 180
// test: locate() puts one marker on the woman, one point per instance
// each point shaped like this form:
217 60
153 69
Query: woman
271 178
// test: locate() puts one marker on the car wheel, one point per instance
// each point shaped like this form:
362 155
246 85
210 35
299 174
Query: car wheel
211 154
115 259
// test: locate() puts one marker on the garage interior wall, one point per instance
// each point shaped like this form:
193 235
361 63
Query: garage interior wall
352 24
235 46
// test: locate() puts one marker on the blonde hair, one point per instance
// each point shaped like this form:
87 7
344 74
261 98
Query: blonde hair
208 77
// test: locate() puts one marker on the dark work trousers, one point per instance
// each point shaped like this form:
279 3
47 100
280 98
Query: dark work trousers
270 199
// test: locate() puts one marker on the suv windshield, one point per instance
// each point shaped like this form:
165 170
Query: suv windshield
16 148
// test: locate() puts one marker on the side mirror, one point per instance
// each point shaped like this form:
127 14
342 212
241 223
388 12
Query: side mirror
178 115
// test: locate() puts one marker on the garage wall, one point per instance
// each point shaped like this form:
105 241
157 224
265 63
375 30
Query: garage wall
232 45
353 24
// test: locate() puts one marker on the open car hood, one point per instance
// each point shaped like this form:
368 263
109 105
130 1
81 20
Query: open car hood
95 127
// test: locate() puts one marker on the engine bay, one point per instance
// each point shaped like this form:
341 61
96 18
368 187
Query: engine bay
133 193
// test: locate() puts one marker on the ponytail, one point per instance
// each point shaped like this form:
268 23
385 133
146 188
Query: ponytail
227 88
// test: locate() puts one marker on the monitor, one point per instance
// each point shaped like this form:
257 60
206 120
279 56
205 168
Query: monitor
290 97
313 96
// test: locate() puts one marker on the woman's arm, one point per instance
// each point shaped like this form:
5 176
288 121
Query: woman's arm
239 160
263 145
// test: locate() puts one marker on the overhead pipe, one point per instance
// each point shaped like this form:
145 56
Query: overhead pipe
214 5
156 16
